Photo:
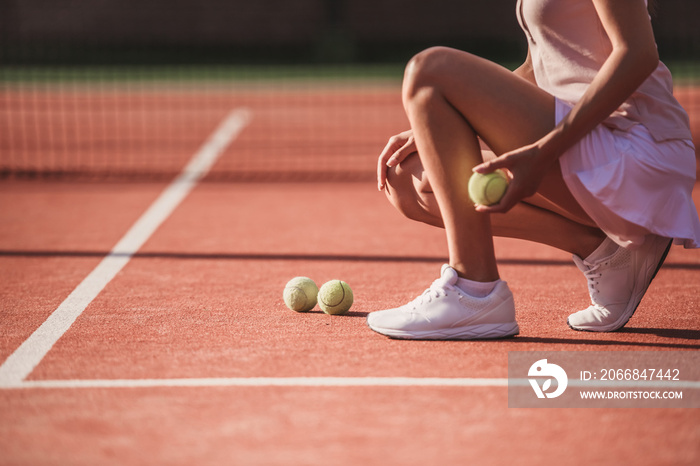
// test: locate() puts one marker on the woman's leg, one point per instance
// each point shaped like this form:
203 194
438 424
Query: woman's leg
451 98
535 219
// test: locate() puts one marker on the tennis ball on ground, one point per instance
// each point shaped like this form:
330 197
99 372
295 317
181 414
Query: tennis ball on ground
300 294
489 188
335 297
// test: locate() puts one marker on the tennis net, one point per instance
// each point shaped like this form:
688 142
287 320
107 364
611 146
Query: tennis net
148 128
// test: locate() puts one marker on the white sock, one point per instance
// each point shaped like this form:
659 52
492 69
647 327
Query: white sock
476 289
606 249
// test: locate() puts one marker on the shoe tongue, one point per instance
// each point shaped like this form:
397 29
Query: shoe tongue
448 275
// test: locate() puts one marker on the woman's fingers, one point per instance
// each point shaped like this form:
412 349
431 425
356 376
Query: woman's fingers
525 176
396 150
401 154
382 163
491 165
507 202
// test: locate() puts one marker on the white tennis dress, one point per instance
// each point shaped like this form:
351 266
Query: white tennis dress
634 173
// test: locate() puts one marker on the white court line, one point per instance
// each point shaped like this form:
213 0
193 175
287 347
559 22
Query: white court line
333 382
25 358
267 382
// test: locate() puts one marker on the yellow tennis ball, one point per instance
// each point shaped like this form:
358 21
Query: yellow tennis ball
335 297
489 188
300 294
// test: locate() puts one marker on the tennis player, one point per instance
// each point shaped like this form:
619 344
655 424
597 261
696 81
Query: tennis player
597 149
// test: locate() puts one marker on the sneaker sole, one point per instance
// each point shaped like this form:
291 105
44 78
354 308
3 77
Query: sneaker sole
622 321
472 332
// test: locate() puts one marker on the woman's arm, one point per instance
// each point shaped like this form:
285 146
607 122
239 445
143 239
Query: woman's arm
633 58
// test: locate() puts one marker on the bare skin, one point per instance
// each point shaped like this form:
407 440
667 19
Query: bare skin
454 99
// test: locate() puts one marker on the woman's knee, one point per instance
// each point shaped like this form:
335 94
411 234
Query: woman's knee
423 70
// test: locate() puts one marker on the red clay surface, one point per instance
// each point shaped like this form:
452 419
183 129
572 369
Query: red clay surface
203 299
51 237
209 290
340 426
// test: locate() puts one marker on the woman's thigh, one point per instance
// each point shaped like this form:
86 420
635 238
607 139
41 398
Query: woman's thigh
505 110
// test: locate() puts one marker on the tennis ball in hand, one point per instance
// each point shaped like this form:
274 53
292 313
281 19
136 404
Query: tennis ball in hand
335 297
300 294
489 188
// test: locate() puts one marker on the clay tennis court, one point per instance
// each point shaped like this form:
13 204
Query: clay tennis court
147 328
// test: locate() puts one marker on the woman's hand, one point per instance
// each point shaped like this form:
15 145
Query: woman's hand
397 149
526 168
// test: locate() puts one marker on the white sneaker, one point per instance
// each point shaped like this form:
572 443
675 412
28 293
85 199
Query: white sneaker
617 284
445 312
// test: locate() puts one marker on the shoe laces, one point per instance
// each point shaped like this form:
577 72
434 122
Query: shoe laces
593 274
436 290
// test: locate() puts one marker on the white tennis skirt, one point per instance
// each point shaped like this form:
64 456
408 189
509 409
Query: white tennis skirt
631 185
